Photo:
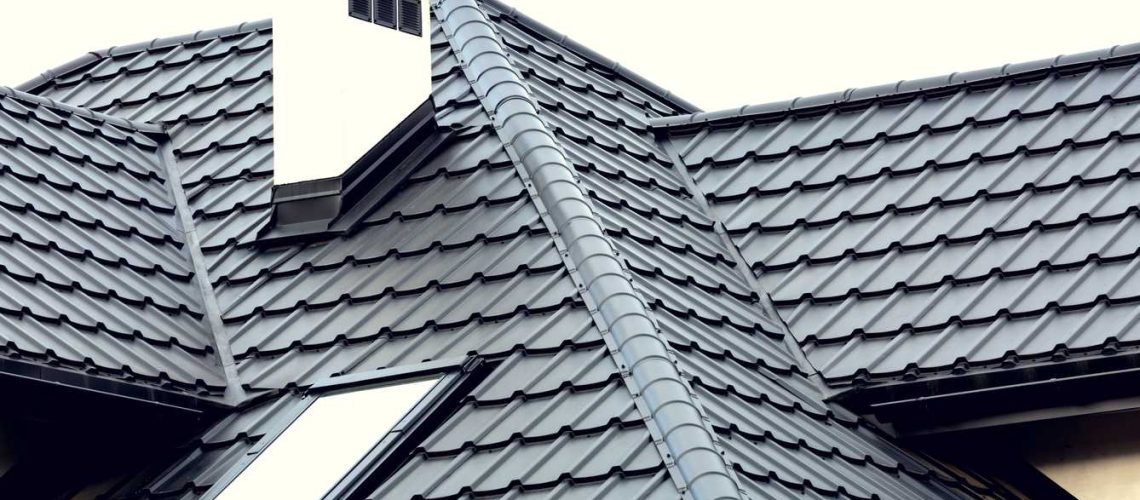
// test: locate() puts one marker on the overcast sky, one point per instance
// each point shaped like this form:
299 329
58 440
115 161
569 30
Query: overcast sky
715 53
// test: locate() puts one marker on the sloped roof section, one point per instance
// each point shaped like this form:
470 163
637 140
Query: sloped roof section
468 257
97 274
947 226
729 348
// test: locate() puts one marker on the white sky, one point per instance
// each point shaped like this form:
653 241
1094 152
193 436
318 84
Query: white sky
715 53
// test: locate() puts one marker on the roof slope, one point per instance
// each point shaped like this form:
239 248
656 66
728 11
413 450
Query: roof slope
949 225
463 259
96 272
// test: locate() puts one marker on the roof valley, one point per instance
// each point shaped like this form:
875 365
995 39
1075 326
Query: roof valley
680 430
234 393
765 303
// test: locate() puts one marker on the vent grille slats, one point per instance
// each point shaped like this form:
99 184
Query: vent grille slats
385 13
411 19
359 9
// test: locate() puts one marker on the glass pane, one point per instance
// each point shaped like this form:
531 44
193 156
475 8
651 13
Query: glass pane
318 448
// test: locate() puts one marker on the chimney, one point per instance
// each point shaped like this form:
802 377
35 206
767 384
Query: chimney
345 72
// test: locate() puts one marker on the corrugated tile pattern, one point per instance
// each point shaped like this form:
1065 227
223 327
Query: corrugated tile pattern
93 267
568 427
967 227
458 262
702 301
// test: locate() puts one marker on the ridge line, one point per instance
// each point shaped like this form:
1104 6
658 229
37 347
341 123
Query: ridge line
668 405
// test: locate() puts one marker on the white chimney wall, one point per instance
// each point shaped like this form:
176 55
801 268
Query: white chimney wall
340 85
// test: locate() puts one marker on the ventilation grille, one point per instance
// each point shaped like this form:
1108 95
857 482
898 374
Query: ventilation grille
410 17
385 13
359 9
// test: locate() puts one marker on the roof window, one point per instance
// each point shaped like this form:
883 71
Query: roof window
352 433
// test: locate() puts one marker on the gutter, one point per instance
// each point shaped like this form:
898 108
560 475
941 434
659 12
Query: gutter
992 398
675 421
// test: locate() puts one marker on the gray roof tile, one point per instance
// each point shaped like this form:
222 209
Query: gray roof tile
458 261
928 230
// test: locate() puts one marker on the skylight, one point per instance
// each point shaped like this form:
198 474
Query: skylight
331 436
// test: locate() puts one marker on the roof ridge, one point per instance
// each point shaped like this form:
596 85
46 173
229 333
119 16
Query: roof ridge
902 87
681 433
95 56
71 109
592 56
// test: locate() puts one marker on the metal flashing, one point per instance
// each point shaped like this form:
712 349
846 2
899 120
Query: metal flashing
326 207
685 441
235 393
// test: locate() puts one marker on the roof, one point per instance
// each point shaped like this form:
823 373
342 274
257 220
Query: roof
947 227
612 259
98 276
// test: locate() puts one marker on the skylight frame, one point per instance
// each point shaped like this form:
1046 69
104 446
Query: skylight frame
453 381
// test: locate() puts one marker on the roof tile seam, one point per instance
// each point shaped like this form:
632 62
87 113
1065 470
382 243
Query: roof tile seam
90 58
656 240
624 176
926 131
155 98
954 281
728 354
145 176
139 300
1003 313
687 280
976 160
592 56
767 307
196 59
234 392
263 310
100 224
910 88
141 205
654 303
101 119
980 236
281 271
387 331
75 186
650 212
938 203
962 364
590 90
688 447
51 247
100 326
519 439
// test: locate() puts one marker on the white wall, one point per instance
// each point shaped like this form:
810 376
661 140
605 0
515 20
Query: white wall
340 84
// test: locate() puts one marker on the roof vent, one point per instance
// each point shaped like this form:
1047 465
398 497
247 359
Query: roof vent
359 9
411 21
385 13
405 15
